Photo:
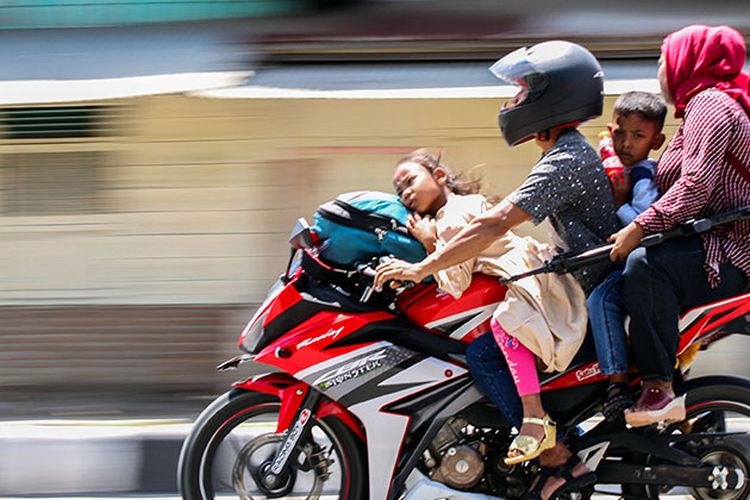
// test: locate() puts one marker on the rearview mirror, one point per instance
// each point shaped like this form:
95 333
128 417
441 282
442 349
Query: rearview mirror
301 236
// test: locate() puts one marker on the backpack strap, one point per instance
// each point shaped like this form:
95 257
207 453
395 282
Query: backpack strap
347 215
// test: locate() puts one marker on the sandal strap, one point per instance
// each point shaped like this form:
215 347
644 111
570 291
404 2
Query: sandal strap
566 474
533 420
546 421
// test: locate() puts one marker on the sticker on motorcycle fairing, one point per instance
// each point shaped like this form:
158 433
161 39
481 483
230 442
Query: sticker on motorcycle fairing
351 370
290 442
329 334
586 373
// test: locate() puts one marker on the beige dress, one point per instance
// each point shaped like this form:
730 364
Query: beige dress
546 313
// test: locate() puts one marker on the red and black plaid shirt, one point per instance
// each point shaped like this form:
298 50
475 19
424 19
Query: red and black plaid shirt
697 179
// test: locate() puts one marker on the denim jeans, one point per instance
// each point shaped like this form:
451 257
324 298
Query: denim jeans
492 375
658 283
607 318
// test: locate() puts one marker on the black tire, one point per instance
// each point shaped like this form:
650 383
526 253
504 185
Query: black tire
704 395
196 464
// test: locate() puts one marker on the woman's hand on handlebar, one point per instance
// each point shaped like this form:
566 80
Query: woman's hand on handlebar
398 270
625 240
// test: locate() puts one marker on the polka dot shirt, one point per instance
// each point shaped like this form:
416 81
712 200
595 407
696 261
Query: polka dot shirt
568 185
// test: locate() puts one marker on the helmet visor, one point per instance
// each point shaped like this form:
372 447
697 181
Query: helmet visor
518 69
514 67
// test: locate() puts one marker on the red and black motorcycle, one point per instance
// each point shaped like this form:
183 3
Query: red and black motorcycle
372 399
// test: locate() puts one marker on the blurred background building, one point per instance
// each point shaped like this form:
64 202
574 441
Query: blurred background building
155 154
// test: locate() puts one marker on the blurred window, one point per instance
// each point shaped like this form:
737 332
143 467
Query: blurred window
52 158
54 122
66 183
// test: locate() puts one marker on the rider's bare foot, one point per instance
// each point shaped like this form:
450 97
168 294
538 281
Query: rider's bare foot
555 482
565 468
555 456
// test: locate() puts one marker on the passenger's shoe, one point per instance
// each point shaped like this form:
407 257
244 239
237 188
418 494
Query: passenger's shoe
654 406
530 447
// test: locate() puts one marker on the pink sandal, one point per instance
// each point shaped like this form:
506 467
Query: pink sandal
654 406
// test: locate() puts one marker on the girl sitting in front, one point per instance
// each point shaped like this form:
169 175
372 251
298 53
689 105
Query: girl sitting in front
542 319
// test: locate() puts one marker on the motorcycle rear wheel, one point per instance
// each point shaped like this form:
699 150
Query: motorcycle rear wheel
234 439
714 407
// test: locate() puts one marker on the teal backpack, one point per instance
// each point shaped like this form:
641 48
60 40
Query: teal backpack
355 227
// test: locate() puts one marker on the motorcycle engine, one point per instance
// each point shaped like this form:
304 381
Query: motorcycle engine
452 459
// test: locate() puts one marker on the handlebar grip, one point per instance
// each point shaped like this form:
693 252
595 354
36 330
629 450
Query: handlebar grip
408 285
367 271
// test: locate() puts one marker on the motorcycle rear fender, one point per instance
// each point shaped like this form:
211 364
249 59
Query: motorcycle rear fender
291 392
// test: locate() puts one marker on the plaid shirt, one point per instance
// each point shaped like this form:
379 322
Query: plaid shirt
697 179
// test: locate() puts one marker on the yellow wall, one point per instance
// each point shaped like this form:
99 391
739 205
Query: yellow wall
199 194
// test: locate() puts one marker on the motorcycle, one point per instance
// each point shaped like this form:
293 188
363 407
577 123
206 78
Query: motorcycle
372 399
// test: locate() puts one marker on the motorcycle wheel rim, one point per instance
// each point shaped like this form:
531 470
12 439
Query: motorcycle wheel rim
216 451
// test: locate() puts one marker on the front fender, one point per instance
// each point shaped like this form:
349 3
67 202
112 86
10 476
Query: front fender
291 392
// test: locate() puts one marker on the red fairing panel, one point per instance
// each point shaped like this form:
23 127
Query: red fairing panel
305 343
707 319
427 306
273 307
588 373
291 393
283 301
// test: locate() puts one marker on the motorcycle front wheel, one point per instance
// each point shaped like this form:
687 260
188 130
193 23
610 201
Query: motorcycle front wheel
233 442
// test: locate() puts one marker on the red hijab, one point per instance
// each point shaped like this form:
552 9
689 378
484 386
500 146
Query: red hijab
698 57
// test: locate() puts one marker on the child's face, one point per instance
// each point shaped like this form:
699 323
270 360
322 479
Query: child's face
420 190
633 137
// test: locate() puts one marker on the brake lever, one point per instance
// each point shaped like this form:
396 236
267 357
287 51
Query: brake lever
367 271
407 285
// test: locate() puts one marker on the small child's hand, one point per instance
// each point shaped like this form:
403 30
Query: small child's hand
621 186
424 229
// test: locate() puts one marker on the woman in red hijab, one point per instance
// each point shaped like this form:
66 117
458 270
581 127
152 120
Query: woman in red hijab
704 170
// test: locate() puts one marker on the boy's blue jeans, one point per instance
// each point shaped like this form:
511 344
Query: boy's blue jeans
607 319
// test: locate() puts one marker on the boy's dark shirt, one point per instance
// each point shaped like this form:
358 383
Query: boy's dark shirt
569 186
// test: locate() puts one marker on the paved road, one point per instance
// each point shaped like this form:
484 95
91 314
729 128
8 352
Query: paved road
83 458
148 497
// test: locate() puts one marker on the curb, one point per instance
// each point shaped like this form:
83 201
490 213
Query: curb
60 458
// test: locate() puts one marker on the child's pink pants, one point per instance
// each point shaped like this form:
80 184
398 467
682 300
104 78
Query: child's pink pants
521 361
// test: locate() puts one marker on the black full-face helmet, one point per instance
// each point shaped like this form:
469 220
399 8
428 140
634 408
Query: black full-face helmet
561 83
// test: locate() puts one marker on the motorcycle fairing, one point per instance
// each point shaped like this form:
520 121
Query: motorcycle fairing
287 389
369 377
469 324
716 319
463 319
428 412
290 392
306 343
390 427
405 334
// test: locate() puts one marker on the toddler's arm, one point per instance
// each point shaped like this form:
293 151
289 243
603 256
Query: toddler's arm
645 193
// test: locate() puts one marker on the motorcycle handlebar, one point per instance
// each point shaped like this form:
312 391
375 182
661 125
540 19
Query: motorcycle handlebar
368 271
